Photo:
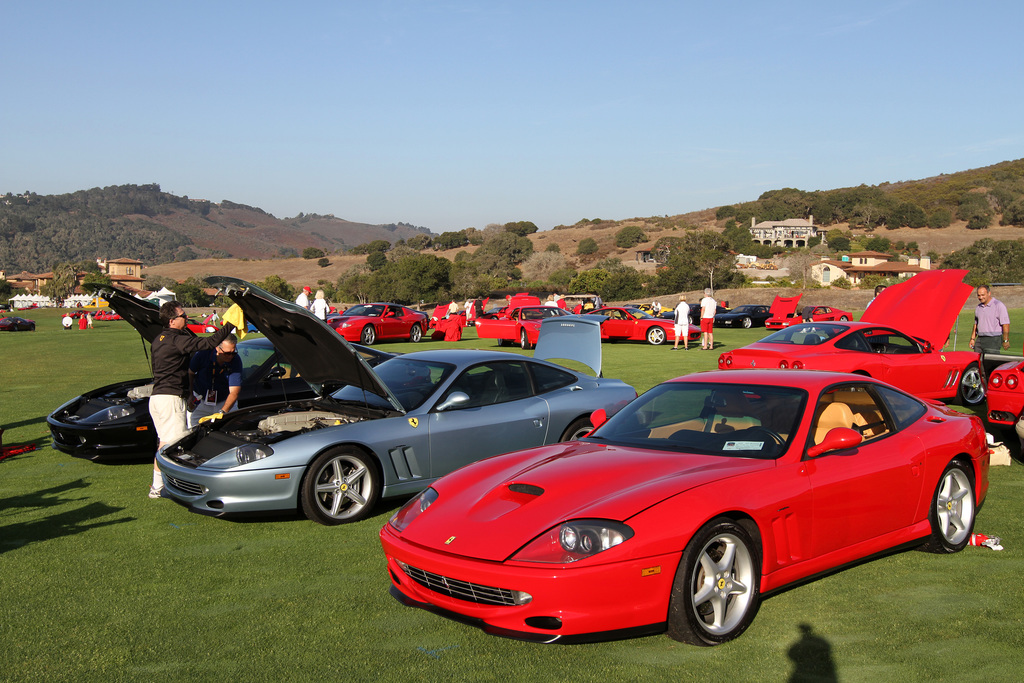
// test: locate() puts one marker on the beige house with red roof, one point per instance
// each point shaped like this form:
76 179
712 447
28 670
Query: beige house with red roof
855 266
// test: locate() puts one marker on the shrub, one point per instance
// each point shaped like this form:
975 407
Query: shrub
586 247
630 236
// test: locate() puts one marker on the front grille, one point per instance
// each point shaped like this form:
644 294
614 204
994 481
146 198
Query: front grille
185 486
463 590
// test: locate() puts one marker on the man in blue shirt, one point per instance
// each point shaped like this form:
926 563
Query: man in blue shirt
991 324
216 378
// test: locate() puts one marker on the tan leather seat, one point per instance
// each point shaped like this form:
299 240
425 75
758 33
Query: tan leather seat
835 415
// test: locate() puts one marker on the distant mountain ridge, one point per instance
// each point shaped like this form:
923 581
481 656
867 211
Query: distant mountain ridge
143 222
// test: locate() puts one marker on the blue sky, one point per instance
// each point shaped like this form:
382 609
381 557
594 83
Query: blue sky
458 114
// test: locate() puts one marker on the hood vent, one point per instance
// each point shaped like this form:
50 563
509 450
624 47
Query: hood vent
528 489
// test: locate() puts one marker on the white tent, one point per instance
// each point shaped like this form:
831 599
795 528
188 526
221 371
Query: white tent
161 297
23 300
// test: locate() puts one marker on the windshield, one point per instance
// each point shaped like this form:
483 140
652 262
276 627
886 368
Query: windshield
372 310
713 419
411 381
637 313
808 334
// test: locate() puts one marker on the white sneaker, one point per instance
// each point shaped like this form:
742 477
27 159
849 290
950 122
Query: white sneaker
156 492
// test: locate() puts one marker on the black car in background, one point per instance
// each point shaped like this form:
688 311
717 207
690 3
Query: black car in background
747 315
112 423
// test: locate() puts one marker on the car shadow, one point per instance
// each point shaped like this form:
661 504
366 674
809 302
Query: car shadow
77 520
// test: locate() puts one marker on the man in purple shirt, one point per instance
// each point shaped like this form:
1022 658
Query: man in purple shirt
991 323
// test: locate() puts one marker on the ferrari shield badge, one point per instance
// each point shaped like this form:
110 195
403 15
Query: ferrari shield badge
414 422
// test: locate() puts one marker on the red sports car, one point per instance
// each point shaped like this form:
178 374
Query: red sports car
785 315
632 324
517 326
688 505
13 323
368 323
1006 394
895 341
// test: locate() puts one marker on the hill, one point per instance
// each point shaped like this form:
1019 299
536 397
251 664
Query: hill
142 222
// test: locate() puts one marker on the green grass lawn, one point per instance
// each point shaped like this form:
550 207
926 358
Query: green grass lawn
98 582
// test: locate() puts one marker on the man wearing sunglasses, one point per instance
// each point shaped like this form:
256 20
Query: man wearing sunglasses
172 350
216 379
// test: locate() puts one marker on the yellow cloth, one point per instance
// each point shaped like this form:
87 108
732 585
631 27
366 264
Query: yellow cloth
210 418
235 316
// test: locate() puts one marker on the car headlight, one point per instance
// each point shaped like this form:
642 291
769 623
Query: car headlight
251 452
108 414
574 541
346 324
411 510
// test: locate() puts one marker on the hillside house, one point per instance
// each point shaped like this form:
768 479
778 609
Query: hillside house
792 232
854 267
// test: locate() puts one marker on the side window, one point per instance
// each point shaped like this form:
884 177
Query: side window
492 383
851 406
547 378
854 342
905 410
253 358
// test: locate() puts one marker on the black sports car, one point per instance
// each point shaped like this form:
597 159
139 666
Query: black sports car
748 315
13 323
112 423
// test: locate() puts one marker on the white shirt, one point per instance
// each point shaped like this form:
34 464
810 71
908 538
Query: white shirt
319 308
303 300
708 307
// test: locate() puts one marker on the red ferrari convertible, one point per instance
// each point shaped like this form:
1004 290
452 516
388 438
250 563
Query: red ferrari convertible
368 323
784 313
517 326
687 506
899 340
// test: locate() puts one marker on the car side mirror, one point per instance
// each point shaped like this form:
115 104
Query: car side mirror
276 373
456 399
598 417
836 439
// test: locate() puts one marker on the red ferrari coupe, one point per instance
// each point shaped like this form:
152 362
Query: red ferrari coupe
1006 394
368 323
517 326
785 314
632 324
687 506
899 340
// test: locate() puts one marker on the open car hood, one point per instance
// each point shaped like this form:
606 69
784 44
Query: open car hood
925 306
784 306
321 355
143 315
572 337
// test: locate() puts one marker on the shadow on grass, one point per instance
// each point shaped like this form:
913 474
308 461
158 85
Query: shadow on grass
66 523
812 658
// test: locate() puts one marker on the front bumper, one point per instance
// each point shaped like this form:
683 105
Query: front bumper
568 603
123 442
225 492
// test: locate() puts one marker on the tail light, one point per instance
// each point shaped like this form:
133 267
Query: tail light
784 364
797 365
1011 382
995 381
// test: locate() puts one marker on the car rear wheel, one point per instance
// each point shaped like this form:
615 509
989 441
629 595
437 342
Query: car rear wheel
971 390
747 322
716 592
524 340
415 333
341 485
368 336
952 511
843 318
577 429
656 335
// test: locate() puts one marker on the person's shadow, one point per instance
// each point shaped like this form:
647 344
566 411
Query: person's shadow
812 658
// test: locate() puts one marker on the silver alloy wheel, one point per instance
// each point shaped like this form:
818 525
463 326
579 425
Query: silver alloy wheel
656 335
723 586
343 486
843 318
369 335
747 322
972 387
954 506
524 341
415 333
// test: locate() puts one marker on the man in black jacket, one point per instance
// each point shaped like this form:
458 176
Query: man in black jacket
172 351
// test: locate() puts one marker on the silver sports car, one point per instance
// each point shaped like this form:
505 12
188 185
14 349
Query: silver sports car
374 433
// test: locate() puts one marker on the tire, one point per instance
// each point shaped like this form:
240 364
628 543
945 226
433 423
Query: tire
843 318
342 485
415 333
971 389
368 335
952 511
717 588
524 340
577 429
656 336
503 342
747 323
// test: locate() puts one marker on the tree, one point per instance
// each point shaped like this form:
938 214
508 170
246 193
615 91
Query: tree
324 262
699 259
421 277
419 242
354 284
521 228
376 260
630 236
553 247
450 240
96 279
312 253
586 247
64 281
277 286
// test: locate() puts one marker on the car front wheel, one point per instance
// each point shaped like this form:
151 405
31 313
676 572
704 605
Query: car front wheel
952 510
747 322
368 336
843 318
656 335
716 592
341 486
415 333
971 390
524 340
